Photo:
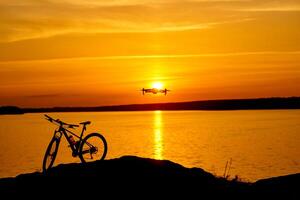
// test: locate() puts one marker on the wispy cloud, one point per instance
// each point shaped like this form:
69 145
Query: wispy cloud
272 9
136 57
270 5
44 96
34 19
26 19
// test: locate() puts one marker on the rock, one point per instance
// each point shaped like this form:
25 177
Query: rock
130 175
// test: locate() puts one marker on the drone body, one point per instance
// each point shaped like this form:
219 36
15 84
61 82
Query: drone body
155 91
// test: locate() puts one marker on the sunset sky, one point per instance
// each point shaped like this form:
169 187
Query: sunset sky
98 52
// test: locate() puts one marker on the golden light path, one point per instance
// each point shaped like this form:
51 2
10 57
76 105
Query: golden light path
158 135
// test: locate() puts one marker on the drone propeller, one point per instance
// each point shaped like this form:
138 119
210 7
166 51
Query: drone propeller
166 90
143 90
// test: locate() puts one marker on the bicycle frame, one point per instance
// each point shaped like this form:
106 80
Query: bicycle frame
64 132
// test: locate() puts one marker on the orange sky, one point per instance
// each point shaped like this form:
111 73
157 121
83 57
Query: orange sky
94 52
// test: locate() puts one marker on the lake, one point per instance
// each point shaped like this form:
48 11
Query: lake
259 143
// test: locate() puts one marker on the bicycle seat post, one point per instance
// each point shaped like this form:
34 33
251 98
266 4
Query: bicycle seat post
84 127
83 130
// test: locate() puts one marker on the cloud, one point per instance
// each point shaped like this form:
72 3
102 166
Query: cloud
44 96
272 9
36 19
54 95
161 56
270 5
27 19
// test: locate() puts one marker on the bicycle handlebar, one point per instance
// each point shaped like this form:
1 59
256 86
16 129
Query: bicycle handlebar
61 123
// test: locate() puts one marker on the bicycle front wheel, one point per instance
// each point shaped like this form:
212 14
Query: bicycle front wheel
93 147
50 154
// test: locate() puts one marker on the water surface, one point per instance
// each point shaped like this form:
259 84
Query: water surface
261 144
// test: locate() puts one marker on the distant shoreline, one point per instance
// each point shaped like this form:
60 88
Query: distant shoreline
227 104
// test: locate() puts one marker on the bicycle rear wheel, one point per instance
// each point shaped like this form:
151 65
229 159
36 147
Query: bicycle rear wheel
93 147
50 154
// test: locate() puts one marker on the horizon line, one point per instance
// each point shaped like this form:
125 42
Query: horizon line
174 102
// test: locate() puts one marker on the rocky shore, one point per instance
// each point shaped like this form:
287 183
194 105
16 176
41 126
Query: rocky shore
129 176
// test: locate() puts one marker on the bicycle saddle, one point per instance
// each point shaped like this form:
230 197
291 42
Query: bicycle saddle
85 123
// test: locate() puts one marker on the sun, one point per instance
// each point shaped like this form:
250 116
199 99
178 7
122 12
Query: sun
157 85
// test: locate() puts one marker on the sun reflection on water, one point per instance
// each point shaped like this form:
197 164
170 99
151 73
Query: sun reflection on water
158 135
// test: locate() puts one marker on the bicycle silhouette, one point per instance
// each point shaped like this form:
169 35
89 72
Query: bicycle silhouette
92 147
